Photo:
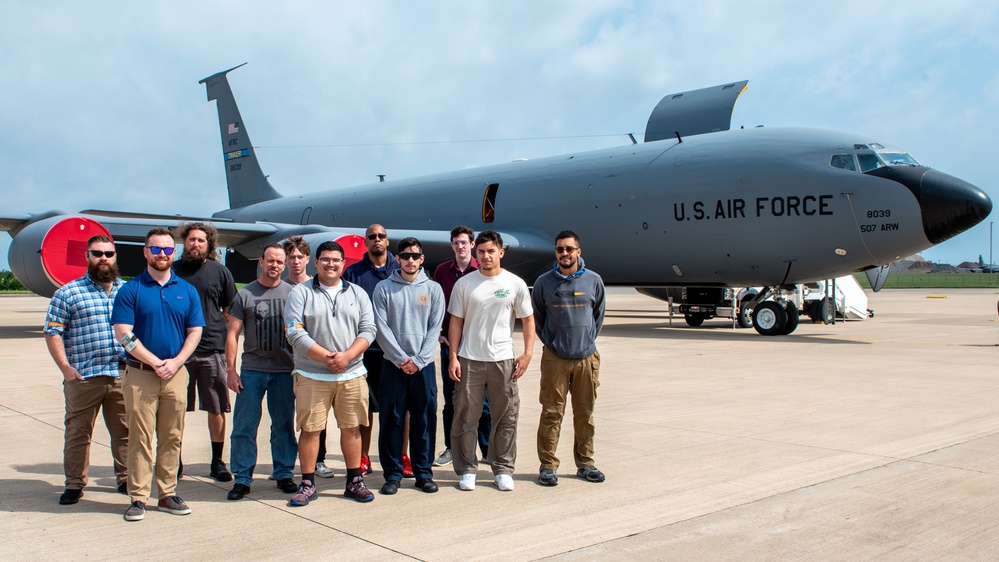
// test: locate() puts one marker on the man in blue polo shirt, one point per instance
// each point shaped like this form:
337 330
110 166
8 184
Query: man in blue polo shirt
157 318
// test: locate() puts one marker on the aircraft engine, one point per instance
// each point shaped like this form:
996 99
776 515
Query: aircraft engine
47 254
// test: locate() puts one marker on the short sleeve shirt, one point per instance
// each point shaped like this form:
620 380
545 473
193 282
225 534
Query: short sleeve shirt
80 312
489 307
261 310
159 314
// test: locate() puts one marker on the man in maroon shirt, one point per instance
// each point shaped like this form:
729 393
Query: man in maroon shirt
447 274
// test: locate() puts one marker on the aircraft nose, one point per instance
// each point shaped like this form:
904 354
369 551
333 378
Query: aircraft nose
949 205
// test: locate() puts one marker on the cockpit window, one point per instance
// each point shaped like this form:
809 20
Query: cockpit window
869 162
898 159
843 161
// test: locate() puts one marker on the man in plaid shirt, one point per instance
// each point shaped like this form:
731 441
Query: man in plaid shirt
80 339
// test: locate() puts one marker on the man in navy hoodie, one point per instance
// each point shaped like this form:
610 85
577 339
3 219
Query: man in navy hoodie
568 314
376 266
408 309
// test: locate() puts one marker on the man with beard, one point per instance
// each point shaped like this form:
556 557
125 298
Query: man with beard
81 341
267 365
199 266
157 318
568 314
376 266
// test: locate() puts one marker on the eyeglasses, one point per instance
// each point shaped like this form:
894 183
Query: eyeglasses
167 250
410 256
328 261
99 253
377 236
565 249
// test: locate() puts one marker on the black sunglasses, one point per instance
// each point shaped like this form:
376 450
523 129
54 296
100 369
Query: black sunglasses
410 256
377 236
99 253
167 250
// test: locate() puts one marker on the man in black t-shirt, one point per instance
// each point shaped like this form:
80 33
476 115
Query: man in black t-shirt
199 266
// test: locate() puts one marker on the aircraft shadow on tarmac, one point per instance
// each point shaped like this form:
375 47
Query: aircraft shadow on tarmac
721 332
22 332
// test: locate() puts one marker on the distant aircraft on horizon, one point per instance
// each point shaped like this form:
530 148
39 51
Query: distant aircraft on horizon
695 205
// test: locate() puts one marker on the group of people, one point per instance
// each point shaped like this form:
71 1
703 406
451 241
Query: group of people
356 340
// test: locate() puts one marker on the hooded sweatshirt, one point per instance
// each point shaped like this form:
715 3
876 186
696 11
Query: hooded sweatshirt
408 317
569 311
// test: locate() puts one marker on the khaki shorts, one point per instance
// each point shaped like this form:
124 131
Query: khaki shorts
313 399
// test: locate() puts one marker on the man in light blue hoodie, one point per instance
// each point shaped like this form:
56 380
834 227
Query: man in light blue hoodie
408 309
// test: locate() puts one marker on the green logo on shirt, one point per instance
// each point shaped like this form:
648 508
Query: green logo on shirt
502 293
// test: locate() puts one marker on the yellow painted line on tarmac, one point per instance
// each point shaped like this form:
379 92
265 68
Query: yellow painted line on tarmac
936 296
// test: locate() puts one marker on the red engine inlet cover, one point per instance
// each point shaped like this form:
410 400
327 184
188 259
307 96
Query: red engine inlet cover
64 248
353 248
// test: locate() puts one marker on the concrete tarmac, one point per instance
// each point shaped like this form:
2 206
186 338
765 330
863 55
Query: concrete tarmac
869 439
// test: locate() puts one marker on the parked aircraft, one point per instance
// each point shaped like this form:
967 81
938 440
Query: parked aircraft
987 267
695 204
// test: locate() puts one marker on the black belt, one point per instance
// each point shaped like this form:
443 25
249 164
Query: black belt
138 365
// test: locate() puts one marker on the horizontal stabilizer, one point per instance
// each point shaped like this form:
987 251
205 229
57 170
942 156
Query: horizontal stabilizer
696 112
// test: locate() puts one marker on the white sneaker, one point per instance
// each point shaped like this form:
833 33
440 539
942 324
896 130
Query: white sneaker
504 482
443 459
467 482
323 471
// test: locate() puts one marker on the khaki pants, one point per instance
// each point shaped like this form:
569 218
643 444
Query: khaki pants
580 378
155 406
477 378
84 399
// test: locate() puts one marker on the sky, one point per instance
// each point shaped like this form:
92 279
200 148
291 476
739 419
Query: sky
100 106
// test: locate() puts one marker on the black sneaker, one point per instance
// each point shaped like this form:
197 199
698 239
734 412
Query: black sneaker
135 512
548 477
219 471
70 496
238 491
389 488
287 485
428 486
590 474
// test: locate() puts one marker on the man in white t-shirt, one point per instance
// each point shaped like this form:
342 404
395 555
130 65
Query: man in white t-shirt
484 307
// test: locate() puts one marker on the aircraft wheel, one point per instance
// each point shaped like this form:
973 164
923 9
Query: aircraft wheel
769 318
826 310
694 320
792 319
745 314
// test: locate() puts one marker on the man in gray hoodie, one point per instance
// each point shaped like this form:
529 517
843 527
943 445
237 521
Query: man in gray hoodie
409 309
330 324
568 314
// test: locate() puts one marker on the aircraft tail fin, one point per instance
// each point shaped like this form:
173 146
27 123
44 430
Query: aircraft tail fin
981 262
246 182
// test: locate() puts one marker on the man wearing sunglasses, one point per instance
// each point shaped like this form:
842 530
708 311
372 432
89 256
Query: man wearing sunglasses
199 266
569 312
376 266
80 339
330 324
157 318
409 308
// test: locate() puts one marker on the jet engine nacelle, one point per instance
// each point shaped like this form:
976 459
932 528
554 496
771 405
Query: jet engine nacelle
47 254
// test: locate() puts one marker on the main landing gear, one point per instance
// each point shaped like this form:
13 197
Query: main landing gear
778 317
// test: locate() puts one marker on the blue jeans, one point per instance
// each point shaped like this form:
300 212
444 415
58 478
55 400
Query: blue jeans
447 412
279 388
399 393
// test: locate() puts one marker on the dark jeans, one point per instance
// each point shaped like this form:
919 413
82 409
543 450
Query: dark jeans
399 393
447 413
